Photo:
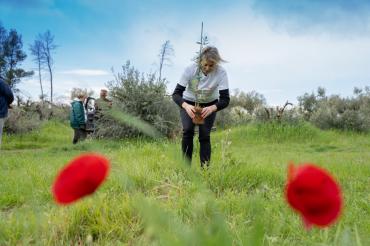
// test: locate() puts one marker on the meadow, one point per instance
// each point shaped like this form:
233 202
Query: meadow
152 197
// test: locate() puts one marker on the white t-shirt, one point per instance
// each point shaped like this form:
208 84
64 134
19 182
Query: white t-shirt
206 90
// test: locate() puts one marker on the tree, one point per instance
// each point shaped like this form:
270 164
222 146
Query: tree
250 100
3 36
165 53
11 56
48 46
321 92
38 56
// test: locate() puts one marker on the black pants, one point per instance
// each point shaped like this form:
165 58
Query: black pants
80 134
204 137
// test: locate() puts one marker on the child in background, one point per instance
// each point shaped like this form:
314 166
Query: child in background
78 118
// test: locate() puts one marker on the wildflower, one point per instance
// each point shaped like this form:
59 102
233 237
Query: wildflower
312 192
79 178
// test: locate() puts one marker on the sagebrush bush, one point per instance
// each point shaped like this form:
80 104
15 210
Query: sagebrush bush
352 120
241 109
21 121
233 116
144 97
335 112
324 118
60 113
341 116
250 101
26 118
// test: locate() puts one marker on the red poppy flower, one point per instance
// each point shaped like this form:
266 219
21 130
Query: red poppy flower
79 178
314 194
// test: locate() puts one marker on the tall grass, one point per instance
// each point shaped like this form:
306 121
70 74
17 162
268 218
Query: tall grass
152 198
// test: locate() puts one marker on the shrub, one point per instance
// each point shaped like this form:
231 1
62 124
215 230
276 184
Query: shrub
343 113
324 118
333 111
249 100
29 116
241 109
143 97
21 121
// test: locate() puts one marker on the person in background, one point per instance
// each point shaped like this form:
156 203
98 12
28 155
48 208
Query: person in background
78 117
103 101
214 85
6 98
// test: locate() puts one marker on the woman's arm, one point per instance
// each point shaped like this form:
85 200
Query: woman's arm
177 98
224 100
222 103
177 95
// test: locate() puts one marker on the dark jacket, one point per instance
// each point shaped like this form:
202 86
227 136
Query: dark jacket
77 115
6 98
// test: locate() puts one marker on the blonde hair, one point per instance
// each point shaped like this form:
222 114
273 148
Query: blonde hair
210 53
80 96
79 93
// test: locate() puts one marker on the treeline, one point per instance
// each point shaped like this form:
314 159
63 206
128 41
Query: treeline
12 55
146 97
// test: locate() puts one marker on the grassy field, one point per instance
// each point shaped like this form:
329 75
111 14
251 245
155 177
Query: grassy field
152 198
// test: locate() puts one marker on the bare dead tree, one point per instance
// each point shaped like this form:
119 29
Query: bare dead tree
279 111
48 47
39 58
268 113
165 54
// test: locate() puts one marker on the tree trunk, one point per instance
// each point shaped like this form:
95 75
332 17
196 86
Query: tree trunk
42 91
51 82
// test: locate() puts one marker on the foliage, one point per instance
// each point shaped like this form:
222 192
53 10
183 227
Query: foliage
336 112
11 56
247 100
140 96
21 120
241 109
29 117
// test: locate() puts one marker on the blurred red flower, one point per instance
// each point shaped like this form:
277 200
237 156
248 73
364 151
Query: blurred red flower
314 194
79 178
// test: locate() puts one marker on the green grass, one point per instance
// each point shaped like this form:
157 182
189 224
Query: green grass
152 198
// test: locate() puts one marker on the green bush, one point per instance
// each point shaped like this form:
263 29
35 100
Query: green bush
30 116
143 97
250 101
21 121
335 112
241 110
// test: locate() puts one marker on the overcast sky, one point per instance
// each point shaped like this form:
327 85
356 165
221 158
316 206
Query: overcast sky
280 48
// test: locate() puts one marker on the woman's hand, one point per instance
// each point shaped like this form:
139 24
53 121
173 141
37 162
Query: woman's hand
190 109
206 111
